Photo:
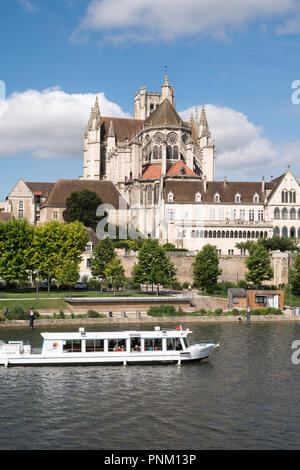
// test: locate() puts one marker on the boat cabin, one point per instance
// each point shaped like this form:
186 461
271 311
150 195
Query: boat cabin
122 342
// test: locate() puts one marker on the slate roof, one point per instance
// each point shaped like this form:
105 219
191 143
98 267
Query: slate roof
106 190
39 188
185 190
164 115
123 128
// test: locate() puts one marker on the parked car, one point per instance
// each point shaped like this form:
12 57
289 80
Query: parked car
44 285
80 286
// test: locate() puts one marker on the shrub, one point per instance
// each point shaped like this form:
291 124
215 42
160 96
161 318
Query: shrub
61 314
17 312
93 314
235 311
202 311
218 311
162 311
93 284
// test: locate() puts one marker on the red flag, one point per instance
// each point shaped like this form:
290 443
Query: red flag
179 328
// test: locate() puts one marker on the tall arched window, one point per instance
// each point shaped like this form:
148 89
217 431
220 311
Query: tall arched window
172 147
284 232
284 196
149 194
156 193
284 213
293 213
292 232
277 232
276 213
292 196
21 210
298 232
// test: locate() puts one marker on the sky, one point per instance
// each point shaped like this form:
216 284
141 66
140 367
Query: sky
239 59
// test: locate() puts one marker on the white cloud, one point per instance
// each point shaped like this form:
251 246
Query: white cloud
146 20
27 5
242 150
48 123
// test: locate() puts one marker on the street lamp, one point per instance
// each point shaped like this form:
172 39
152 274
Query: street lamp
170 274
101 280
37 284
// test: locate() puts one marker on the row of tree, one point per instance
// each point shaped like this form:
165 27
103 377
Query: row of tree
50 251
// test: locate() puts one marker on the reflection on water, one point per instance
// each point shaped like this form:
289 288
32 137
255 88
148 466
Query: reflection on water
245 396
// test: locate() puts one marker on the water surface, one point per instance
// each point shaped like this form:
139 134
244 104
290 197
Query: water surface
245 397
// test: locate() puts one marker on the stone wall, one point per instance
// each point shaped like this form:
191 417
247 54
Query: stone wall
233 267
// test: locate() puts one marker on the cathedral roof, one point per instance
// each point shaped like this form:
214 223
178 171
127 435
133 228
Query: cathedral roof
164 115
106 190
123 128
178 168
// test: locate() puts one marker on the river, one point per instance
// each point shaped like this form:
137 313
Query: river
245 397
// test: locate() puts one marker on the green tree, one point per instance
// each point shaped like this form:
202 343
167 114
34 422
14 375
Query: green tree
294 275
206 267
82 206
115 272
16 238
56 244
153 266
104 253
68 274
259 265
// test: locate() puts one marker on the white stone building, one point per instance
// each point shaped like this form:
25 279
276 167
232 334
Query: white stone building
165 169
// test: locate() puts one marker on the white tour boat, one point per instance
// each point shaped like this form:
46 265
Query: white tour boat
119 347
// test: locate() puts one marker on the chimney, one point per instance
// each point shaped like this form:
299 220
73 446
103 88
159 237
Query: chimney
205 183
263 186
225 182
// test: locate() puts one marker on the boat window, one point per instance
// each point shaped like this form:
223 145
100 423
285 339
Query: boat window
174 344
94 345
153 344
72 345
117 345
135 344
186 343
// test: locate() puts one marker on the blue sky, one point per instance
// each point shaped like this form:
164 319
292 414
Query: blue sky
239 58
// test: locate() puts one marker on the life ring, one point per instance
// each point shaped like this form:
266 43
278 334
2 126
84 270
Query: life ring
21 349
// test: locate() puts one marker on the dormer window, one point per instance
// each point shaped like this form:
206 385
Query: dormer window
198 197
217 197
256 198
237 198
171 197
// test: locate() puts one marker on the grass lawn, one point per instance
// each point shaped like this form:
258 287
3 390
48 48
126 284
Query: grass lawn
36 304
54 301
62 294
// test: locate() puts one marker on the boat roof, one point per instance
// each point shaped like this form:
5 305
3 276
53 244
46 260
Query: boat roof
82 334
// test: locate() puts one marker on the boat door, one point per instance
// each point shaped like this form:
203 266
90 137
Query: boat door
135 343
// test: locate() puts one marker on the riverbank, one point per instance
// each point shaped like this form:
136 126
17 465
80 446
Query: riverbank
151 320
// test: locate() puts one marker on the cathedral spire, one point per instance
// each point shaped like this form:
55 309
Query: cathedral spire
96 108
204 128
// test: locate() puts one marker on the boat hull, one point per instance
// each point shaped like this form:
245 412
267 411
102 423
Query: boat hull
75 359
